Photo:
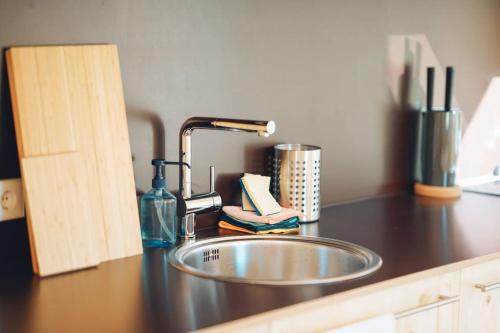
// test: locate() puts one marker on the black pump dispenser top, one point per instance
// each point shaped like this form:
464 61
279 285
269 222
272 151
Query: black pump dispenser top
159 180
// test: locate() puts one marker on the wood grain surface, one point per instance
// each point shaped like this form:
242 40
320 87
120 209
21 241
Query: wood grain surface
70 98
61 228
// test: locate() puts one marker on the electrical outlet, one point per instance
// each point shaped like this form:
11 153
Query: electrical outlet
11 199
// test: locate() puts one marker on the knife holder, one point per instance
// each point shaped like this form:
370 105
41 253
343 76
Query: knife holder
437 148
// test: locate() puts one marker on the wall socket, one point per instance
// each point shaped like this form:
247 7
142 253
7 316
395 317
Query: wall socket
11 199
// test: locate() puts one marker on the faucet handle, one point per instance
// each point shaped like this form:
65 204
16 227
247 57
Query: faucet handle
212 178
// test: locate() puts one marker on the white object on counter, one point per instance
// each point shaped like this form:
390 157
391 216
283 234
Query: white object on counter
245 202
256 189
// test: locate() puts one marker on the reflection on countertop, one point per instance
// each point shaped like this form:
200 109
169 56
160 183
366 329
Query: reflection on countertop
145 293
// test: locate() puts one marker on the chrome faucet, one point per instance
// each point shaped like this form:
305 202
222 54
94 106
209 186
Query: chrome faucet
211 201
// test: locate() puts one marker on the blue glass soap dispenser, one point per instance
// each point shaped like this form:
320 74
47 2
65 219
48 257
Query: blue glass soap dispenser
158 210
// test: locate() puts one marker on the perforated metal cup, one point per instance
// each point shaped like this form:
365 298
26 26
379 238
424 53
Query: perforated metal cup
296 178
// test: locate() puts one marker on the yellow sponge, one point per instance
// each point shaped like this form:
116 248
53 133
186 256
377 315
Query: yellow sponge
259 196
245 202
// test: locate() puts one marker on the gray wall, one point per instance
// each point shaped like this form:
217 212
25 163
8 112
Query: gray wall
318 68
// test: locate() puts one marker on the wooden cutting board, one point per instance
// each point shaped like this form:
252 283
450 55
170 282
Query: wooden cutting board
70 98
61 228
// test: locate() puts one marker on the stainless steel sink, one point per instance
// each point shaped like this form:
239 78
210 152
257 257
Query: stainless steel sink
275 260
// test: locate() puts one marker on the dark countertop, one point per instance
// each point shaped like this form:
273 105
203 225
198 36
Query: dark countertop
144 293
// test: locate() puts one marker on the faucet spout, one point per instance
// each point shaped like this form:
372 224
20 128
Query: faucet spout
262 127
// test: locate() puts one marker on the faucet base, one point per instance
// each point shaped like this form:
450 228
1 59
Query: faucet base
187 224
187 238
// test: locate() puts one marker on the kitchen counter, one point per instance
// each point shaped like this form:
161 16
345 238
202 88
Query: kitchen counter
144 293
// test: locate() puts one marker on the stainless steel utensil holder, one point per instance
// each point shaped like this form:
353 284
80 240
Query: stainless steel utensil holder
438 146
296 178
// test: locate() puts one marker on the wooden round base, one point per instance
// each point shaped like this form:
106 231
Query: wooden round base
437 191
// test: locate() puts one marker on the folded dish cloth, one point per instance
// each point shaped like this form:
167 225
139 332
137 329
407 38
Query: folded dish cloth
237 213
287 226
284 222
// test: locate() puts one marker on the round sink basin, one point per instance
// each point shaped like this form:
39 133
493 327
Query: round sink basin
275 260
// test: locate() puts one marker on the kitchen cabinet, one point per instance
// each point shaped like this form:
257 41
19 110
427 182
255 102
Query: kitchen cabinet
480 298
422 304
414 302
439 317
464 299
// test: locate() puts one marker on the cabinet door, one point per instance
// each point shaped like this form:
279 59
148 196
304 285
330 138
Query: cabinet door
417 301
442 317
480 301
